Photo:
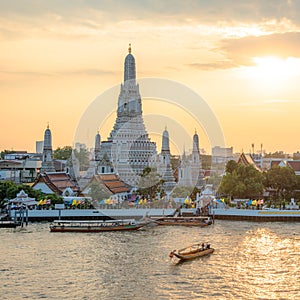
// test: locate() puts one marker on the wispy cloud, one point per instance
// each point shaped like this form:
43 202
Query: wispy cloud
220 64
241 51
58 73
266 102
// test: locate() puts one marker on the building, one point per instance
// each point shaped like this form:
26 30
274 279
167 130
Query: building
164 167
128 146
293 164
59 183
47 159
221 154
247 160
20 167
190 171
107 184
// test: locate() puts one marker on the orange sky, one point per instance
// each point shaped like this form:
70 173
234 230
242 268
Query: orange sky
241 57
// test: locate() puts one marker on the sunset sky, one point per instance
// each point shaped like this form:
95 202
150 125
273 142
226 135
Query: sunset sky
241 57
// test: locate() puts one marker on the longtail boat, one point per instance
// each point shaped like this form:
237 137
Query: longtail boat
94 226
191 252
183 221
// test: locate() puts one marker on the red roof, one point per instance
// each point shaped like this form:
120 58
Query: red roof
112 183
57 181
294 164
247 160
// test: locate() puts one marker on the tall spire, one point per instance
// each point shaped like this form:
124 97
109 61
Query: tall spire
97 146
129 67
47 161
165 147
196 142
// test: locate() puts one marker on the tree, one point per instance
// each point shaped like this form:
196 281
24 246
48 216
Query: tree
283 180
241 181
62 153
182 191
97 192
150 183
2 154
231 166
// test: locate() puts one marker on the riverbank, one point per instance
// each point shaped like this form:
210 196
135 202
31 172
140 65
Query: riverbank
233 214
272 215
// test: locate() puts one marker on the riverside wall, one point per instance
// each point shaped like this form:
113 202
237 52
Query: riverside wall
256 215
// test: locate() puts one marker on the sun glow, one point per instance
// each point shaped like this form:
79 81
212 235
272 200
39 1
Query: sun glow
274 71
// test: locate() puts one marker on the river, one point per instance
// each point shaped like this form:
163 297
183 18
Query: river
251 261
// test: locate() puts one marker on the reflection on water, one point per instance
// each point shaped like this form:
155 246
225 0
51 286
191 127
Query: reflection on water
251 261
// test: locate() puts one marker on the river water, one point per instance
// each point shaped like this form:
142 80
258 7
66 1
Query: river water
251 261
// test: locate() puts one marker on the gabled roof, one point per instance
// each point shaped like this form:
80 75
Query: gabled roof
111 183
275 163
294 164
57 181
247 160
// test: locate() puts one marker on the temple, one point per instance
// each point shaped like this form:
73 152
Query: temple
190 169
47 160
164 164
128 146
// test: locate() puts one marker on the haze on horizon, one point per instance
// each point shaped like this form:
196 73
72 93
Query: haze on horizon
241 57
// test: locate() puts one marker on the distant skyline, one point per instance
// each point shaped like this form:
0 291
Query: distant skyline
241 57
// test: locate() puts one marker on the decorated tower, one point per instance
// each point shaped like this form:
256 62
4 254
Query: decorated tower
97 146
165 168
129 147
47 160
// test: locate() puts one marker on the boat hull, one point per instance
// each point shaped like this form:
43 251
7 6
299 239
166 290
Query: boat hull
8 224
182 221
94 226
91 229
192 255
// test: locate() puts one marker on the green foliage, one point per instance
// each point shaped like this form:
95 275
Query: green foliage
2 154
231 166
182 191
9 190
241 181
62 153
283 180
97 192
150 183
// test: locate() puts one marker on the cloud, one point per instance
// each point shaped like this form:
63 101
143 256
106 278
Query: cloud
241 51
203 11
79 72
220 64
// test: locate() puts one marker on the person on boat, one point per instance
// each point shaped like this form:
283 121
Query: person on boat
202 246
172 254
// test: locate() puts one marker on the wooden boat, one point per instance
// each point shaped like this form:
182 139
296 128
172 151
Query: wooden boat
8 224
191 252
94 226
183 221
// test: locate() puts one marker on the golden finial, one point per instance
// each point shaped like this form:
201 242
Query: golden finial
48 125
129 49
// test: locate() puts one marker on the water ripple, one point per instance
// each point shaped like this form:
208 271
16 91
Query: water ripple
251 261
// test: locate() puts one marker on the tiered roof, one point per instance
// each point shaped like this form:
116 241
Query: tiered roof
57 182
111 183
